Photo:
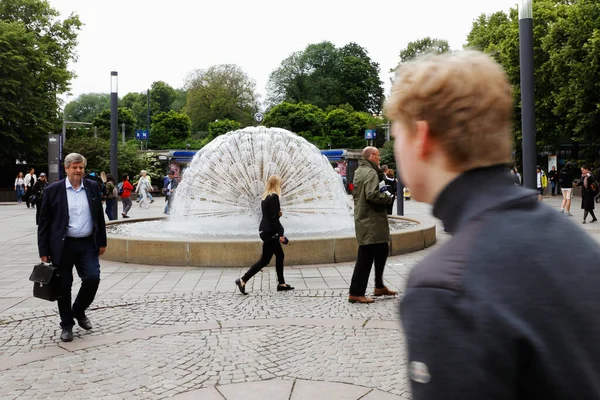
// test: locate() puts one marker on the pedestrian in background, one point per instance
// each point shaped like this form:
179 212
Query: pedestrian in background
111 196
553 178
125 193
566 188
29 180
37 195
392 182
20 187
589 188
143 186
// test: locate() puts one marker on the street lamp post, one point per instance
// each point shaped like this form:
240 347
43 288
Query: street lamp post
527 93
114 140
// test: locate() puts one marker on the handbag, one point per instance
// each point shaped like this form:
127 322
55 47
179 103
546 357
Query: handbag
46 281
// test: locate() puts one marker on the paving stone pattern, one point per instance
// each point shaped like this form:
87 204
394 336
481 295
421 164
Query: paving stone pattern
185 332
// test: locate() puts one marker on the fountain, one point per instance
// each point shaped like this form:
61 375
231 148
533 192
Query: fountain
216 210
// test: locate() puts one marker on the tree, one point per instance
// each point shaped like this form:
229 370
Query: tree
423 46
86 106
346 129
324 75
137 103
566 60
35 50
220 92
221 127
102 121
304 119
161 97
168 127
179 102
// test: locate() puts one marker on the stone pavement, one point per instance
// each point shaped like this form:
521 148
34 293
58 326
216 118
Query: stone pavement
184 332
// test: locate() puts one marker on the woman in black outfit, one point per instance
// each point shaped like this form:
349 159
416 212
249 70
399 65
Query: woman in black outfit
271 233
587 193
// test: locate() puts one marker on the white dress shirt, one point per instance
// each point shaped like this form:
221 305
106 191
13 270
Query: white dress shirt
80 216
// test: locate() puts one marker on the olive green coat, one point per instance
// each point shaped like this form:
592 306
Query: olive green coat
370 215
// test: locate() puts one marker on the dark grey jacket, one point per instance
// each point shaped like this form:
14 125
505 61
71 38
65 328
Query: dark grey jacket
509 308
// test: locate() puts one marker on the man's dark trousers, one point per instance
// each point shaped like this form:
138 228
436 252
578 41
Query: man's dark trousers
82 253
368 254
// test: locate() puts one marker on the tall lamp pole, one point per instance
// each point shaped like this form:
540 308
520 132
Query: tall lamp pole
527 93
114 131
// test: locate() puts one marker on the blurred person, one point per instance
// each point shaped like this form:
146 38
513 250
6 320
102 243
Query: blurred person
111 196
553 178
566 187
143 186
72 233
170 184
125 193
589 188
37 195
371 227
20 187
29 180
392 182
272 235
506 308
541 182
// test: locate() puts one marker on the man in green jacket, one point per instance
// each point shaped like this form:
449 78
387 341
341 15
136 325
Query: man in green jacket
371 226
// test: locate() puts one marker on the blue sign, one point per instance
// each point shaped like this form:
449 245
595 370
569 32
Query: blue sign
142 134
370 134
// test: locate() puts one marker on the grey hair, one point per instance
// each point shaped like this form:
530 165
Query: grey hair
74 157
143 172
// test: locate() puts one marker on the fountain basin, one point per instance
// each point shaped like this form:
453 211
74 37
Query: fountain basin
221 252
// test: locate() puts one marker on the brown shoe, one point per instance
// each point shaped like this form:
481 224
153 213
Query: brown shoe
360 299
384 291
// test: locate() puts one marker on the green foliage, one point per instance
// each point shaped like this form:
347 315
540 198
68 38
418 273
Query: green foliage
324 76
423 46
386 155
220 92
102 121
86 106
97 153
35 50
304 119
137 103
221 127
345 129
179 102
161 97
567 66
169 126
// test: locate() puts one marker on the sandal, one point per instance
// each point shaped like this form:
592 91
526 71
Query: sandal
284 288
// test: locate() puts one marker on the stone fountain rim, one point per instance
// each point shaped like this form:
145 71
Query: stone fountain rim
420 226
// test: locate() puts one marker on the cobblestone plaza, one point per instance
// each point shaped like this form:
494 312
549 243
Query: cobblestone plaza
185 332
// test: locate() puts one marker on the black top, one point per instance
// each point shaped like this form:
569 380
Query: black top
508 307
566 178
270 215
552 175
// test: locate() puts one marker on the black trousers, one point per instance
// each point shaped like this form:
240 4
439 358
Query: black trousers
390 206
368 254
270 248
84 255
38 211
28 194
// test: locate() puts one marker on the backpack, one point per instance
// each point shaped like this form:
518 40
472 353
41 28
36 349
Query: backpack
120 188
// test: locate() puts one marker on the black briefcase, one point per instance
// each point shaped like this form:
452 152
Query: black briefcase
46 282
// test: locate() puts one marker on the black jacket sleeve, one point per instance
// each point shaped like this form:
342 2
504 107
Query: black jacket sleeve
273 208
44 225
446 358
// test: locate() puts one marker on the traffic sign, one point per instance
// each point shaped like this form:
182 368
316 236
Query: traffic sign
370 134
258 117
142 134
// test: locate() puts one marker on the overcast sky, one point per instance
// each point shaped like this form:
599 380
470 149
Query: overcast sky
147 41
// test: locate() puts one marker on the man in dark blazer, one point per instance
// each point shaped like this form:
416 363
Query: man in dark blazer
72 232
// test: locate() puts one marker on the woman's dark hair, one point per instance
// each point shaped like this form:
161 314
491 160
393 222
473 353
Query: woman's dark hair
109 178
568 165
584 166
124 177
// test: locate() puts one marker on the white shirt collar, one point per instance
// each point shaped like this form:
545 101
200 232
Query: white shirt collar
68 183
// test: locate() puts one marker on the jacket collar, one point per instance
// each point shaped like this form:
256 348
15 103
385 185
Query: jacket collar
367 163
476 191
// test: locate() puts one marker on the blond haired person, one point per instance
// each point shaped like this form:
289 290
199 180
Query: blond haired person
271 233
143 186
492 313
